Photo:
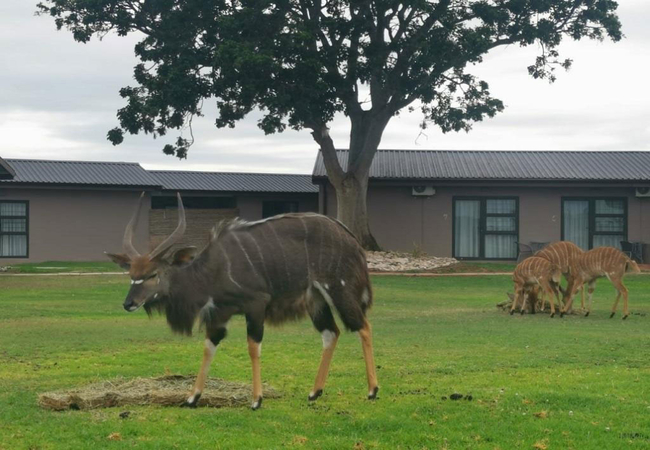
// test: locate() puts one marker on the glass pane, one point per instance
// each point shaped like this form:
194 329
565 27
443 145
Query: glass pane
610 224
610 207
499 206
500 246
13 245
500 224
13 209
608 240
576 222
466 228
13 225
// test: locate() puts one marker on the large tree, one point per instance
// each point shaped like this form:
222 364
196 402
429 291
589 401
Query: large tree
300 62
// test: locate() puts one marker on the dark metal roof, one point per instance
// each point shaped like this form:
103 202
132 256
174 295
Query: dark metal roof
233 182
504 165
34 171
6 171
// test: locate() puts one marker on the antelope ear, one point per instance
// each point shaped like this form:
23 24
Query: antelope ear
183 255
122 260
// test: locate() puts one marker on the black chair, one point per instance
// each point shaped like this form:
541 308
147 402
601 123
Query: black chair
633 249
524 251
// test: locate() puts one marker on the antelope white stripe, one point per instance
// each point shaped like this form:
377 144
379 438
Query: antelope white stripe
245 253
228 269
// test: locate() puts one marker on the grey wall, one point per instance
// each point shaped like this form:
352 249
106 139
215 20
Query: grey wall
400 221
81 224
77 225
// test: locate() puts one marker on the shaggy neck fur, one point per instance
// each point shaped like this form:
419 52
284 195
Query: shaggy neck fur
184 299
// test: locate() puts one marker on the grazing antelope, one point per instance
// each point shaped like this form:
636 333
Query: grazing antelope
601 262
563 254
273 270
533 272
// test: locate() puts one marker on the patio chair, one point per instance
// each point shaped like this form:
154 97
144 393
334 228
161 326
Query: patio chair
633 249
524 251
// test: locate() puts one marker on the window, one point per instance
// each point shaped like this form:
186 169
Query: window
486 228
273 208
170 202
594 222
13 229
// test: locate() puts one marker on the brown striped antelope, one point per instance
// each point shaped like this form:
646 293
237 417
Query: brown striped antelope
601 262
563 254
273 270
533 272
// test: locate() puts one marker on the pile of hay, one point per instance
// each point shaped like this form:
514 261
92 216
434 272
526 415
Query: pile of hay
170 390
507 304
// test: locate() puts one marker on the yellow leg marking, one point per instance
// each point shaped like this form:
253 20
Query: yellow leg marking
366 343
254 353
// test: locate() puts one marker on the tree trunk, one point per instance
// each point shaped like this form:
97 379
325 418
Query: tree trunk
351 184
352 209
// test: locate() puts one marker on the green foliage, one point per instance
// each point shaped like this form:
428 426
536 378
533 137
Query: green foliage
302 61
433 337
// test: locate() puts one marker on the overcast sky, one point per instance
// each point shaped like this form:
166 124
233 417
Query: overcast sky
58 98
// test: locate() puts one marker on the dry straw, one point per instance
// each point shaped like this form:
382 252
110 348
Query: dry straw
170 390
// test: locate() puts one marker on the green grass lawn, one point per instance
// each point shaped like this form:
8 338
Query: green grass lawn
587 378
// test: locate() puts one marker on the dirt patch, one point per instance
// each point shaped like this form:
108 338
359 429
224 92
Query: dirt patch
170 390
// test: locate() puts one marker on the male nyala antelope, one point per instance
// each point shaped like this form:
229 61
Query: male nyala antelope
564 255
601 262
533 272
278 269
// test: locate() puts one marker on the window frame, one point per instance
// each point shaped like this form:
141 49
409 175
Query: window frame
483 225
17 233
592 217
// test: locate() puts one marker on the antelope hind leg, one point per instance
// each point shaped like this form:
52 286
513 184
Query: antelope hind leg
365 334
255 332
324 322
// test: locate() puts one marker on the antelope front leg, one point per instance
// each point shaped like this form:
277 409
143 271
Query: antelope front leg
210 348
574 288
365 334
550 293
519 293
255 331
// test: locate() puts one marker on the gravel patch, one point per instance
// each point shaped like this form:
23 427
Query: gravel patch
405 262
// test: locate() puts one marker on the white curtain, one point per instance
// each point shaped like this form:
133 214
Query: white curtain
13 209
500 206
500 246
610 207
466 228
576 222
608 240
13 245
